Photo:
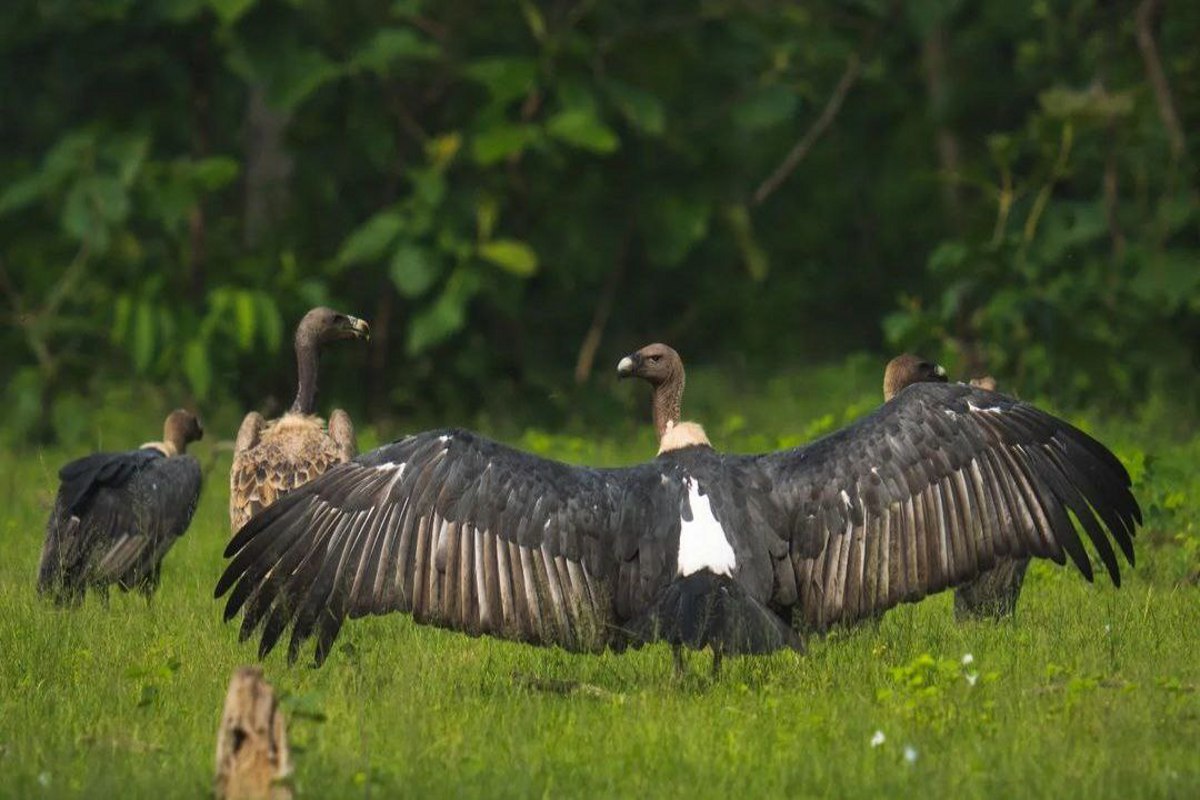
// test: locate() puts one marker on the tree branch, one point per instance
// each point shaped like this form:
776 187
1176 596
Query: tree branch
1056 172
1147 13
937 87
595 331
832 106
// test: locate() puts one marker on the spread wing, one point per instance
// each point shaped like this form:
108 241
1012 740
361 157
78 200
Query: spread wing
930 489
464 533
114 519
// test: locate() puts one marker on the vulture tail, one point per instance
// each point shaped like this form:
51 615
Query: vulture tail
56 578
708 610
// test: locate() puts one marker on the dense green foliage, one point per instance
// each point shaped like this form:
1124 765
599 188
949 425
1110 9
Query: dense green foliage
511 190
516 193
1091 692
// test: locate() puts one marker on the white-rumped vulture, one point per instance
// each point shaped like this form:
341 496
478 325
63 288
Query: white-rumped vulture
117 514
695 547
272 458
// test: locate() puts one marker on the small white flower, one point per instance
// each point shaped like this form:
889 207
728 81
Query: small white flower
910 754
44 778
1108 628
968 659
878 739
971 678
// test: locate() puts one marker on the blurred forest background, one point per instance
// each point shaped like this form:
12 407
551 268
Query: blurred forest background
516 193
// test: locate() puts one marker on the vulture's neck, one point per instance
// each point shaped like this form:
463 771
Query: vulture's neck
892 383
306 383
668 398
174 439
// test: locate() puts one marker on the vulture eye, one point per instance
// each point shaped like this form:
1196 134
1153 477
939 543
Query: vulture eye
654 358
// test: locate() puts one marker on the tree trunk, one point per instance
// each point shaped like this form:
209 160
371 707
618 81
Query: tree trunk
201 102
937 86
268 166
253 761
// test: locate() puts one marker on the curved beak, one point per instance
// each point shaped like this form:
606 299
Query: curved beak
359 328
626 366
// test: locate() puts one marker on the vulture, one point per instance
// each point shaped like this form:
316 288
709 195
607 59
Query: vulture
117 514
993 594
697 548
272 458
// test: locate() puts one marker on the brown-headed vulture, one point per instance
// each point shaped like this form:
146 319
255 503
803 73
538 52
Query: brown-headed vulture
117 514
696 547
272 458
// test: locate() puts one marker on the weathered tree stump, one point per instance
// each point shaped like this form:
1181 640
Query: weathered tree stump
253 762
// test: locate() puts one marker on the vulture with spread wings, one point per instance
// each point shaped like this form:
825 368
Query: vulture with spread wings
696 547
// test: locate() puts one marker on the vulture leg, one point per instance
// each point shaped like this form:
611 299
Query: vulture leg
717 652
677 659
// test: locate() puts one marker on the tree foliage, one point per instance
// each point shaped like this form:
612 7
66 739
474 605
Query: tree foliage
508 190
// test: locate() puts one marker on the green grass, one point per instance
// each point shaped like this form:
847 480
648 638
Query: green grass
1090 692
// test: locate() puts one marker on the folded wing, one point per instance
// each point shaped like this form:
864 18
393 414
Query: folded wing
115 517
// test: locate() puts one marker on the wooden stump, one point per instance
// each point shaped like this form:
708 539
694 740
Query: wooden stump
253 762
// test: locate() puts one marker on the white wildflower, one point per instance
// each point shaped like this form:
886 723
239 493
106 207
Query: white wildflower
971 678
878 739
910 754
44 778
968 659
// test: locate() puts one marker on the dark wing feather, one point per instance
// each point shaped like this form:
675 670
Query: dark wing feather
464 533
163 497
931 489
114 519
82 478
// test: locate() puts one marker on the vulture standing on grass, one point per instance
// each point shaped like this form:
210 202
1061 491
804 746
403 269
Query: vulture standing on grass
117 514
272 458
993 594
696 547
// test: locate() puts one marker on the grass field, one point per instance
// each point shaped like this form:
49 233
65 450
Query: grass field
1090 692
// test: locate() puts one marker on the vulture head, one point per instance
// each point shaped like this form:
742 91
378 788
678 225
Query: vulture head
657 364
318 327
323 325
661 367
907 369
181 429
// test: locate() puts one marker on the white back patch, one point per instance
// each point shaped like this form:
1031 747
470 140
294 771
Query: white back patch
680 435
702 541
